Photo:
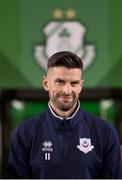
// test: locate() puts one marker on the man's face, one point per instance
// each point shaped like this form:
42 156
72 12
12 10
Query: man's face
64 86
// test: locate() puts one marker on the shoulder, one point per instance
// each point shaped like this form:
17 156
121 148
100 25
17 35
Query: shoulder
98 125
29 127
32 122
101 129
90 119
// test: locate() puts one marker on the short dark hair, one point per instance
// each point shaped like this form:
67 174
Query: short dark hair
66 59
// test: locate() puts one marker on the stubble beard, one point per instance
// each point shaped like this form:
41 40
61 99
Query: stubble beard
65 105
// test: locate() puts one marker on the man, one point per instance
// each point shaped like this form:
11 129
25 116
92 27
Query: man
64 142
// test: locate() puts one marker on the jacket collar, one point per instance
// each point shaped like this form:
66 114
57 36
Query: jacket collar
64 123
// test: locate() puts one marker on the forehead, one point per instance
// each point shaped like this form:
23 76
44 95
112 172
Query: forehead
64 73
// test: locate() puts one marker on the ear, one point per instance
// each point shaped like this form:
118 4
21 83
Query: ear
82 83
45 83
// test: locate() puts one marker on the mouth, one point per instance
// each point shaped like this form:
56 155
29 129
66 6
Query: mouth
65 98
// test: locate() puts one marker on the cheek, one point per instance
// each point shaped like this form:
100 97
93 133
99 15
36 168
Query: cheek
52 89
77 91
78 87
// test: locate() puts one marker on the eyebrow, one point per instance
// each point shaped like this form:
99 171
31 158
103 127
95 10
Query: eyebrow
74 81
59 79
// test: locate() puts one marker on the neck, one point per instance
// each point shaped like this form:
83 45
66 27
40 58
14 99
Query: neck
63 114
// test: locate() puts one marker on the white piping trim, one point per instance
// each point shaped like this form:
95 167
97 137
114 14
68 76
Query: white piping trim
61 117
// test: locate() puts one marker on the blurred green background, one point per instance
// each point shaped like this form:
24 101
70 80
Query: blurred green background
22 29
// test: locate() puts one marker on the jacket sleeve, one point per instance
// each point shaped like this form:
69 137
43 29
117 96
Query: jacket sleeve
112 162
18 162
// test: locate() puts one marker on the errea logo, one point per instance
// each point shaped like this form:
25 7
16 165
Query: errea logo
47 149
47 146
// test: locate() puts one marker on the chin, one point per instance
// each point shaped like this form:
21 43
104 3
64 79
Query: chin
65 107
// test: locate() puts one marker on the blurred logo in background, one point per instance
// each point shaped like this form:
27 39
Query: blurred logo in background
66 35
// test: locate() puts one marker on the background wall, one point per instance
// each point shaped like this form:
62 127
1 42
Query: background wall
31 30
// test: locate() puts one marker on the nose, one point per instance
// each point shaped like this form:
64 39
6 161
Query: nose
67 89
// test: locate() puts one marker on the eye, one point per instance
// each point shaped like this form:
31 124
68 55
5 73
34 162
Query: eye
75 83
60 82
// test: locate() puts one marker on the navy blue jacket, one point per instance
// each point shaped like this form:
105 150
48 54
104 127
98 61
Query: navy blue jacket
82 146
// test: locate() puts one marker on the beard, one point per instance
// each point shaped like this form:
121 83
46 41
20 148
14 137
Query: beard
64 102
